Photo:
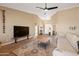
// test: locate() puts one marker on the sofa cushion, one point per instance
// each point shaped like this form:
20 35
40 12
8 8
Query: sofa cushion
73 40
63 44
58 52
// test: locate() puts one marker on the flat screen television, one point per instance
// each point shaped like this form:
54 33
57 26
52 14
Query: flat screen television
20 31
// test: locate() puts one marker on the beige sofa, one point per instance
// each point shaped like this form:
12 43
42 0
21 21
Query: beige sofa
66 45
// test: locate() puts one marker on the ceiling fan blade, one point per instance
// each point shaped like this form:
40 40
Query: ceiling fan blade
40 8
52 8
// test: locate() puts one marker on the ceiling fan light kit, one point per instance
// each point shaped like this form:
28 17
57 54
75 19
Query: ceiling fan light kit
46 9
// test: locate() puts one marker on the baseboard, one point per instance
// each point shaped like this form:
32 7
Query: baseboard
3 44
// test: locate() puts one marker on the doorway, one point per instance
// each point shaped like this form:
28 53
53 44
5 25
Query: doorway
48 29
43 29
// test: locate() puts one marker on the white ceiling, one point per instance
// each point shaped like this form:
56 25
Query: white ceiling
31 8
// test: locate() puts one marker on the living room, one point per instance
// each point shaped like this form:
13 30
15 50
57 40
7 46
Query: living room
63 22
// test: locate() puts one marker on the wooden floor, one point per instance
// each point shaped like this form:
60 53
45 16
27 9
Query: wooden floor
10 47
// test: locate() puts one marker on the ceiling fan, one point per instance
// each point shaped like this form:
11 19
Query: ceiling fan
46 8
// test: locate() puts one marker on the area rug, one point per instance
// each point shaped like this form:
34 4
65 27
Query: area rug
32 49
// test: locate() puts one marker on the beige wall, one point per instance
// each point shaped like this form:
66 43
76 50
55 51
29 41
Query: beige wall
19 18
68 18
14 17
63 20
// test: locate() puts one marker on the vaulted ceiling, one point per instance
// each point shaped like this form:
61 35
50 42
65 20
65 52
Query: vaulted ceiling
31 8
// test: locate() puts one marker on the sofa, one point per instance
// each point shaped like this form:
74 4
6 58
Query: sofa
66 45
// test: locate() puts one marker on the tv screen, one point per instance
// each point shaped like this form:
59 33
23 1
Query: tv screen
20 31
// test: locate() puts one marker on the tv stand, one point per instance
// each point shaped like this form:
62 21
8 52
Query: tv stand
27 36
15 40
